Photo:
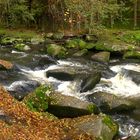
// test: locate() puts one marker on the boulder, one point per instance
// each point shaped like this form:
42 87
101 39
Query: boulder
101 126
5 65
10 40
132 54
90 81
37 40
110 103
46 61
101 56
58 35
61 75
22 47
56 50
114 46
68 107
134 75
76 43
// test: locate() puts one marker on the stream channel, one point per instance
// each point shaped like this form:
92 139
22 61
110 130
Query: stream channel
119 77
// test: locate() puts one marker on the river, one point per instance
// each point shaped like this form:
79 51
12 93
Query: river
122 78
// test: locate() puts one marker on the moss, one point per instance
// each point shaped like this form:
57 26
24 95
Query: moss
109 122
92 108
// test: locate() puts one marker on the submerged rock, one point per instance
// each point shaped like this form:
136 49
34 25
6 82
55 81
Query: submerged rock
5 65
68 106
110 103
101 56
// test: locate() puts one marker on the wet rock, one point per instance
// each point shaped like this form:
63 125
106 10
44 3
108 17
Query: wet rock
132 54
61 75
56 51
68 106
90 81
110 103
20 89
101 126
134 75
101 56
47 61
5 65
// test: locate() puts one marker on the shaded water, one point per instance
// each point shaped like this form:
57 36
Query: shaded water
119 78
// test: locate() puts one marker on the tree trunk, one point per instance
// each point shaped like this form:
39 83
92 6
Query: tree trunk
135 14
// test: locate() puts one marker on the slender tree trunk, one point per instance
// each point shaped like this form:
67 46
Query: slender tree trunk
135 14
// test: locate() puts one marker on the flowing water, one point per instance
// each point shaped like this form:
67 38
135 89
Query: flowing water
119 78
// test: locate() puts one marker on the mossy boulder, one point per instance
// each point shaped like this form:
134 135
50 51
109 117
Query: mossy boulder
58 35
5 65
114 46
10 40
22 47
37 40
56 51
101 56
101 126
110 103
76 43
67 106
132 54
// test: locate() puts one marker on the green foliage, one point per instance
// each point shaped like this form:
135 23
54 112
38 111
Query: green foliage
40 100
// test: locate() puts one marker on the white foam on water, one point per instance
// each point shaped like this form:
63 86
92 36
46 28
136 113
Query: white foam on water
39 75
22 54
121 84
118 68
